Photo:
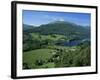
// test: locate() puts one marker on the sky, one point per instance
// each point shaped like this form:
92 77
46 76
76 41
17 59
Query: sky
37 18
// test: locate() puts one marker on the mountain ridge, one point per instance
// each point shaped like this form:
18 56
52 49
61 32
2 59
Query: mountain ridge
62 28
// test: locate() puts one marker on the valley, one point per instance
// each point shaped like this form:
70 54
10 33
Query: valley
55 45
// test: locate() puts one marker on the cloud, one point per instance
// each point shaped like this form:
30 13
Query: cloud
51 18
61 19
58 19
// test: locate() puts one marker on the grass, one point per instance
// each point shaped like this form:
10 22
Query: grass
49 65
31 57
44 37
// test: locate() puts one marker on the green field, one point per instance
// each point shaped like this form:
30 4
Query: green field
31 57
53 37
58 56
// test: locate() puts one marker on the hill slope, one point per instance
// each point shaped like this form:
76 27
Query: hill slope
62 28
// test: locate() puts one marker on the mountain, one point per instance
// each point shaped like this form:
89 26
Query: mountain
62 28
27 27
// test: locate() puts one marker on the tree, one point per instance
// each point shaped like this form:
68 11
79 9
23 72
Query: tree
39 62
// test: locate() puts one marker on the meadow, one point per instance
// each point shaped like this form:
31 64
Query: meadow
49 51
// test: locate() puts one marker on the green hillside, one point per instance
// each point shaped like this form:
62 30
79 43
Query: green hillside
56 44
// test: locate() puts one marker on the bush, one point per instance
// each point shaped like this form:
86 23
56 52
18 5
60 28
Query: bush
39 62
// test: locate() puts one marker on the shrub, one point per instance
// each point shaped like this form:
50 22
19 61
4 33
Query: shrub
39 62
